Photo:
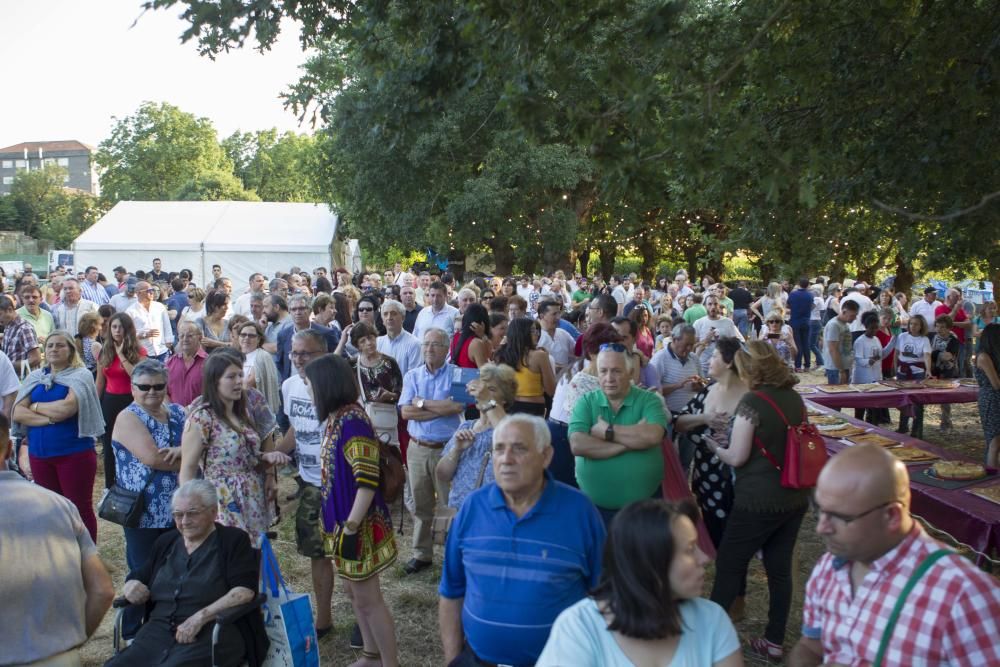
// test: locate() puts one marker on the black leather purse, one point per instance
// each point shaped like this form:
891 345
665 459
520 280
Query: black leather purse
122 506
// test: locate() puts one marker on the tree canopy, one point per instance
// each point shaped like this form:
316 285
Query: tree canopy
812 136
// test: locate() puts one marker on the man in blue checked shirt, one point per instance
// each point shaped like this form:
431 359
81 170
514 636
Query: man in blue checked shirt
519 552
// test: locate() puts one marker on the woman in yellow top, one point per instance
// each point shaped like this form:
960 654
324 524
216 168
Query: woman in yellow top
532 367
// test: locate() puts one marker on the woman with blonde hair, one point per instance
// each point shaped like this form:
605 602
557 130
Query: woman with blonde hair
775 298
88 330
765 515
195 307
57 408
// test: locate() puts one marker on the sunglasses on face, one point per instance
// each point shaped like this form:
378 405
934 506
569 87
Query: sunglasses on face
366 310
150 387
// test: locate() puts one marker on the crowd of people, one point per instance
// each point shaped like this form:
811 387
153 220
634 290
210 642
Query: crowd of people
579 448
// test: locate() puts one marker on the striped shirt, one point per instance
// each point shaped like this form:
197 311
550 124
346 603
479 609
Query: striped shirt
672 369
95 293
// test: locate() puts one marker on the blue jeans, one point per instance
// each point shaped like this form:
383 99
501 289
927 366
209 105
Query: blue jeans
800 332
814 328
833 377
741 321
138 549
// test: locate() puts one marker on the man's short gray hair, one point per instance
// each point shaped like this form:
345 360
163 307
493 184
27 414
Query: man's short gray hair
437 331
312 335
682 330
539 428
257 297
201 489
391 304
304 298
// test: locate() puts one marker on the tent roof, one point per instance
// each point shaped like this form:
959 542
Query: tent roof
212 226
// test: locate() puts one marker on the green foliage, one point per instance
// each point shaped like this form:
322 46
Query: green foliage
214 186
804 136
278 168
40 206
151 154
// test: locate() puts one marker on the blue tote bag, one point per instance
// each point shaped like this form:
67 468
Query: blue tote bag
288 617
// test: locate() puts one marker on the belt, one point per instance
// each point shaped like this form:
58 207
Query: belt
558 422
428 444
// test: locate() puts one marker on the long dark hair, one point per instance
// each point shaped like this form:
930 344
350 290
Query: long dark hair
333 384
215 367
130 343
376 303
989 344
343 309
476 313
323 285
514 351
635 573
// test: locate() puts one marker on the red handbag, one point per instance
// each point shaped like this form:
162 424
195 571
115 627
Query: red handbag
805 452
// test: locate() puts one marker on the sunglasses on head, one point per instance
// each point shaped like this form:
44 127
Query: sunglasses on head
613 347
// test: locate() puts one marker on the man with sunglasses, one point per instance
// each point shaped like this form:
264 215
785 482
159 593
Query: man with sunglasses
615 433
951 616
152 322
300 308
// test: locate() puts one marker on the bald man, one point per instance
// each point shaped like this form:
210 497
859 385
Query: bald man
950 617
152 322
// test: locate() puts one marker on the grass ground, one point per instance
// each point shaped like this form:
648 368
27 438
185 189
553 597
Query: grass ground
413 600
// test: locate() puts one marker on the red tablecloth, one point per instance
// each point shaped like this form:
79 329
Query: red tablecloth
969 519
898 398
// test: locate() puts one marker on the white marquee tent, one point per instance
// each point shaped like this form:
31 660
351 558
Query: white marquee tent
242 237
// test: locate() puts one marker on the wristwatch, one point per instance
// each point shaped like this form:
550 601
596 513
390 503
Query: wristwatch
609 433
419 403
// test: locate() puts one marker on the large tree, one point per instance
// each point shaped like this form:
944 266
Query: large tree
276 167
152 153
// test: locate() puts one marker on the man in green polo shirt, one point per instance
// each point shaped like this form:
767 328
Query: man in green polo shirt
32 312
615 434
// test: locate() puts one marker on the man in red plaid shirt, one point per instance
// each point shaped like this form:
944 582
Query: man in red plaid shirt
950 617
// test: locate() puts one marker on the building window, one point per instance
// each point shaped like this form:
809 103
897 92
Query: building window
21 164
64 162
8 164
49 161
8 180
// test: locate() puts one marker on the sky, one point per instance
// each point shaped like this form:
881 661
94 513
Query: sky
71 66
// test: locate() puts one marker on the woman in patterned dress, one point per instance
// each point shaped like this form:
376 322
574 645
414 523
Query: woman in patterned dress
355 521
220 438
146 441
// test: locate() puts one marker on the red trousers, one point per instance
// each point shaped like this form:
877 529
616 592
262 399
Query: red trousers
71 476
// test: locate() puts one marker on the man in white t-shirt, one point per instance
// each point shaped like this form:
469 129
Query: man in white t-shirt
865 305
558 343
926 307
618 293
305 437
710 328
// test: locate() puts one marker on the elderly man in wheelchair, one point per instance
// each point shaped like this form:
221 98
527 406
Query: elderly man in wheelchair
201 575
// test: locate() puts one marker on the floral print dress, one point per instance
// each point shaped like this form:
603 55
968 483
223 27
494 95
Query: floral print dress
229 461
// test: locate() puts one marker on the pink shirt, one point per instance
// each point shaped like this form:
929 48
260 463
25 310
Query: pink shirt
184 383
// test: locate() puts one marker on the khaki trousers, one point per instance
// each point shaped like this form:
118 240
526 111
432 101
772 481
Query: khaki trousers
428 494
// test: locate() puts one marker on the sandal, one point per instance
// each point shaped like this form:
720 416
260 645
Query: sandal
765 649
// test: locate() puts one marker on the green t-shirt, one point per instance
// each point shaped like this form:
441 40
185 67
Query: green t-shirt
727 303
580 296
694 313
630 476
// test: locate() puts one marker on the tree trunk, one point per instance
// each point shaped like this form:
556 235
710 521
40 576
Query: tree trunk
904 275
647 250
583 257
606 257
715 267
503 258
691 259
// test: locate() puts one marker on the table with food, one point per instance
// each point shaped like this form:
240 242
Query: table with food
951 492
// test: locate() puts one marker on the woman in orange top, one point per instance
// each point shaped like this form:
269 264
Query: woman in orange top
535 377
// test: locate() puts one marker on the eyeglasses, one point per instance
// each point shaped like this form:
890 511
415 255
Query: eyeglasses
844 519
613 347
187 514
248 335
366 310
299 355
150 387
774 322
434 344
